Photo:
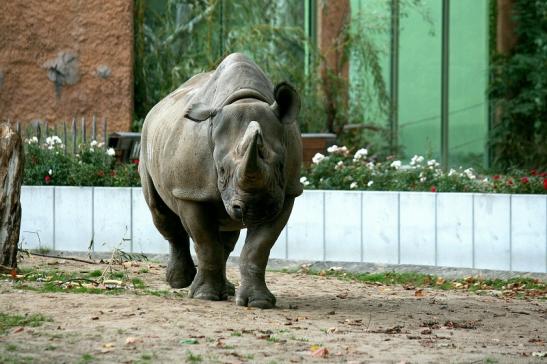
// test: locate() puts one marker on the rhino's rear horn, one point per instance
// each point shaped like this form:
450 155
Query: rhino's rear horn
199 112
287 103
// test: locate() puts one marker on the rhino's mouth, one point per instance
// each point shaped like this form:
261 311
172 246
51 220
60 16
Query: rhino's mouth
254 212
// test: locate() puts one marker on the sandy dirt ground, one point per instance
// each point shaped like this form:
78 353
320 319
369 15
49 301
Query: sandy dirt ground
317 319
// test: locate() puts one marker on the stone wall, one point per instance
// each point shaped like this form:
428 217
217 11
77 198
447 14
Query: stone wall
65 58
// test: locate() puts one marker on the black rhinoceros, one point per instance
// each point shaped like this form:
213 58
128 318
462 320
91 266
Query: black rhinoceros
219 154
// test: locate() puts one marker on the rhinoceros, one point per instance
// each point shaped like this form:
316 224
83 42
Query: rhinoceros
219 154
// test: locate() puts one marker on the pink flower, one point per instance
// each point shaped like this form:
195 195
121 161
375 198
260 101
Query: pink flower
47 179
524 180
433 189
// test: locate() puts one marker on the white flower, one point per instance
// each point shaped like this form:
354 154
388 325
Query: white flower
56 140
93 143
370 183
360 154
353 185
50 172
34 139
100 145
433 163
49 141
451 172
91 150
111 152
339 165
469 173
370 165
304 181
396 164
417 159
332 149
423 179
317 158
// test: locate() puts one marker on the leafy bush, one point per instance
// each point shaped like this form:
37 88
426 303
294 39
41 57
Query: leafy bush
519 91
341 169
48 164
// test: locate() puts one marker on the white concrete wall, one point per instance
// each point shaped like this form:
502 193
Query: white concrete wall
490 231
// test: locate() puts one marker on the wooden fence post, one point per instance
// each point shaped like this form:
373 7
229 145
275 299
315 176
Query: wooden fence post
11 177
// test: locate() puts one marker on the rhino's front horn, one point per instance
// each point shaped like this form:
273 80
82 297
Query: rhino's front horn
251 171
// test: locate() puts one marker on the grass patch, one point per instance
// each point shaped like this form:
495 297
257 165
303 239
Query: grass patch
518 287
86 358
8 321
54 281
193 358
14 359
236 333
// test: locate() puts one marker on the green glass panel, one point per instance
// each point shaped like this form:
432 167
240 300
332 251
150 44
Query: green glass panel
420 80
370 53
468 102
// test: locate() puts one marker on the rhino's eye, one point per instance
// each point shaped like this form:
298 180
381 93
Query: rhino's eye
222 170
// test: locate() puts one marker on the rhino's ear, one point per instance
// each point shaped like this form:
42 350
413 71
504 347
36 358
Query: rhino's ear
287 103
199 112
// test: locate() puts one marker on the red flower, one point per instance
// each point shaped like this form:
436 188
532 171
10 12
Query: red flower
47 179
100 173
543 174
545 183
135 161
534 172
510 181
524 180
496 177
433 189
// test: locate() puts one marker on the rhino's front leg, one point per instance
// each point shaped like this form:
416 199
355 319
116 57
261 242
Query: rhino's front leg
253 291
209 282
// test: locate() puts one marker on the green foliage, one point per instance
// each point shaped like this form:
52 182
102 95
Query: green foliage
519 91
7 321
341 169
47 164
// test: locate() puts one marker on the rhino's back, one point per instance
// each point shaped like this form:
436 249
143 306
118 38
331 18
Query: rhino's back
175 150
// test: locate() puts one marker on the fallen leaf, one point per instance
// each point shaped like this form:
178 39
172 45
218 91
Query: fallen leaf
331 330
440 280
419 293
13 273
19 329
191 341
132 340
320 353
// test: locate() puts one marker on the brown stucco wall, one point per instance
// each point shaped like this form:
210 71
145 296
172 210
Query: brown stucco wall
96 32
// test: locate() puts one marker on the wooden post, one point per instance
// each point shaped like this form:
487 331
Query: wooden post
11 177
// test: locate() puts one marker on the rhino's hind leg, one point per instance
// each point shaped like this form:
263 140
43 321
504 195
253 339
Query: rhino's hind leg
229 239
180 269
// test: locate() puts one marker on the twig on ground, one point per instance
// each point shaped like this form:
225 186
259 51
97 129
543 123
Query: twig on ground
65 258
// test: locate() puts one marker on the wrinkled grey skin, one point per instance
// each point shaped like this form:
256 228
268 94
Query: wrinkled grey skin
222 153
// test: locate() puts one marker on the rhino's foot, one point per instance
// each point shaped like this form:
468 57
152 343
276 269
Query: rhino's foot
230 288
179 275
208 289
255 297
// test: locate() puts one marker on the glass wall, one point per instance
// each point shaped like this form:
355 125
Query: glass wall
417 83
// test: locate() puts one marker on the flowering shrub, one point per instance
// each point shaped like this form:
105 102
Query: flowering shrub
47 164
342 169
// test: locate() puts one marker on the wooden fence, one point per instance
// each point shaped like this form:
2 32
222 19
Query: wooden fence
72 137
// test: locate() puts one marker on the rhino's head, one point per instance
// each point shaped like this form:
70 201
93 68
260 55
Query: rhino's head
248 141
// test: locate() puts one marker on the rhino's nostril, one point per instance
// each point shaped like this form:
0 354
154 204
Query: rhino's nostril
238 211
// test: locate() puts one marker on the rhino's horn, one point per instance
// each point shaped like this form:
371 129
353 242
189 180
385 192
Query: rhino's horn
251 170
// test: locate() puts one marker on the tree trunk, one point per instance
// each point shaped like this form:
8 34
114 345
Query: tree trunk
11 176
